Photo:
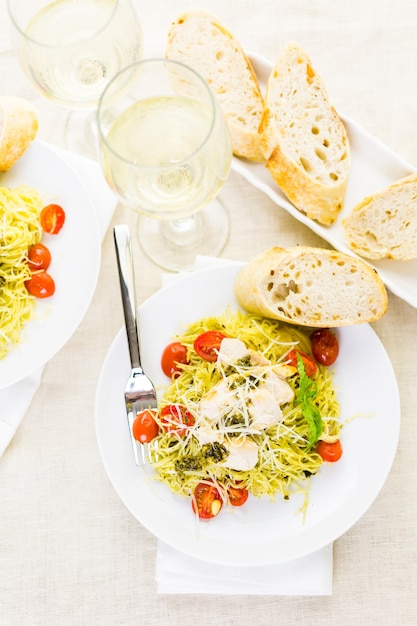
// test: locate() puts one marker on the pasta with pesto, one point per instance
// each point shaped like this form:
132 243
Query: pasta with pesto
285 453
19 229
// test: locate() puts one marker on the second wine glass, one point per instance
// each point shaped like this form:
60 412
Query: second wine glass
166 152
70 50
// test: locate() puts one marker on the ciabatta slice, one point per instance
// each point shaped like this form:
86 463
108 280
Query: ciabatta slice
201 41
304 140
18 127
311 287
384 225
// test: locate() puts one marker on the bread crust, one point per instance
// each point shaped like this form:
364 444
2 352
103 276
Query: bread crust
18 128
201 41
305 142
311 287
384 225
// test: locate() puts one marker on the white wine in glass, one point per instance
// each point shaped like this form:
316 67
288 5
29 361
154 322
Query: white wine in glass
166 152
71 49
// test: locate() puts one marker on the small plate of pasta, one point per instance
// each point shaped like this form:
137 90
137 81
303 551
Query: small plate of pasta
248 424
34 323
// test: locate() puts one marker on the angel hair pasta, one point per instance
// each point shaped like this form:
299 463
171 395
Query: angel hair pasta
19 229
285 451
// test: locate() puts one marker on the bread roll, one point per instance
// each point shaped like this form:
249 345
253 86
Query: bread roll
311 287
304 140
200 40
18 127
384 225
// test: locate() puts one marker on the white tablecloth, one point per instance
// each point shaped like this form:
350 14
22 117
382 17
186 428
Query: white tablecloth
70 552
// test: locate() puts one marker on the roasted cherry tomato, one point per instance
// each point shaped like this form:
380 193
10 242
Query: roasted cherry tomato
176 419
206 500
39 257
144 427
41 285
52 218
325 346
330 452
310 365
173 355
208 343
237 495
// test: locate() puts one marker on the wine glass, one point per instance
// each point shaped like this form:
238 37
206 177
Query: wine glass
70 50
165 150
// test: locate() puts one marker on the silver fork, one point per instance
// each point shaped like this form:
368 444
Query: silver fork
139 393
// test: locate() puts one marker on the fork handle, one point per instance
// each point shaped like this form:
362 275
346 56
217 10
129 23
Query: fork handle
125 268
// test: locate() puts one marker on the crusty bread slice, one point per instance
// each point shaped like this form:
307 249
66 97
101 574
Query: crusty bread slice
304 141
384 225
201 41
18 127
311 287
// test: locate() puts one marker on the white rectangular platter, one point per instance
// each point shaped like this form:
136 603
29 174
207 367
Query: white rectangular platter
373 166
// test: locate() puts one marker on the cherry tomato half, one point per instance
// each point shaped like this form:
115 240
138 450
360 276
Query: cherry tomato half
310 365
237 495
144 427
41 285
206 501
208 343
39 257
176 419
52 218
325 346
330 452
173 355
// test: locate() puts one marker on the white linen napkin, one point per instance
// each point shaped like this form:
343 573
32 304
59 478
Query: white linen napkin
15 400
178 573
310 575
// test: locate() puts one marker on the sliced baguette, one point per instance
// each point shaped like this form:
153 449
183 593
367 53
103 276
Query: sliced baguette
18 127
384 225
201 41
311 287
304 141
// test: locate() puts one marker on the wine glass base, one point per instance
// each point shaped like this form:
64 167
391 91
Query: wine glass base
14 83
70 129
174 245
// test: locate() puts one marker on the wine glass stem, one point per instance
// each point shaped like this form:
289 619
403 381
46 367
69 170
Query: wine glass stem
184 231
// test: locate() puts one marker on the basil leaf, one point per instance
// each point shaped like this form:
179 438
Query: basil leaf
307 394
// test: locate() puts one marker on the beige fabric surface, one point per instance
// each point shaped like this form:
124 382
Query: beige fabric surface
70 552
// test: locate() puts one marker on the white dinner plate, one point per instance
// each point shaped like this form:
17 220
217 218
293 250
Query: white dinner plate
76 253
373 166
261 531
